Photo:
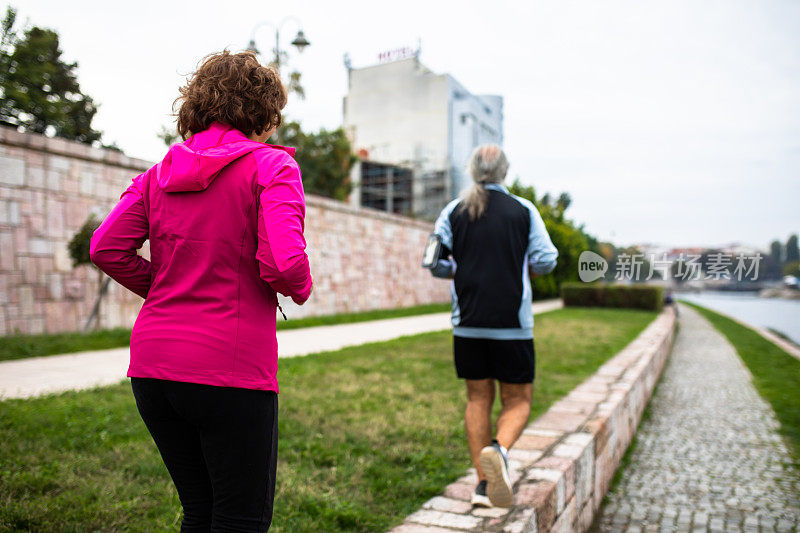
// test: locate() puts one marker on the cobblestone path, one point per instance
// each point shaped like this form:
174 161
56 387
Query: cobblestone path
708 456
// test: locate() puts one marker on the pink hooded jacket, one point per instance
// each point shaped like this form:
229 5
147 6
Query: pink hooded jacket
225 218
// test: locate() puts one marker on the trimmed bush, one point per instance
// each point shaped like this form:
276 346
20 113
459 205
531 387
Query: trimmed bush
636 296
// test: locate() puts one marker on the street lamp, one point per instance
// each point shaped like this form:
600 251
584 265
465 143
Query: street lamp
299 41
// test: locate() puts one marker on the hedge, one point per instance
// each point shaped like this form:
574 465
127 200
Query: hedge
637 296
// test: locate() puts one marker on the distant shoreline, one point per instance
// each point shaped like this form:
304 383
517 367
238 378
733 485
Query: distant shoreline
773 312
780 292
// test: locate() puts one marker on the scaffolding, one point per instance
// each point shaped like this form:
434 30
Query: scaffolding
404 189
387 187
433 194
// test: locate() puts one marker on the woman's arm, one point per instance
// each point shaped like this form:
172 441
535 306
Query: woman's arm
283 262
114 244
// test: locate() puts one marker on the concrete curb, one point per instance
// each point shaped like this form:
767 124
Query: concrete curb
787 347
563 463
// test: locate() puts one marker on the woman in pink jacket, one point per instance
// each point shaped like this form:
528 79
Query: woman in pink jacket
224 213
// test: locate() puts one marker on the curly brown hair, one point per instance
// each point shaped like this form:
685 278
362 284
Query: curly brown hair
234 89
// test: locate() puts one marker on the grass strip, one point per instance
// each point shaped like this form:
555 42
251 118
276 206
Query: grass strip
367 434
22 346
364 316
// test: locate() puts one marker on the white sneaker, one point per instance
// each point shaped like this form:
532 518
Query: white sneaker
479 498
495 466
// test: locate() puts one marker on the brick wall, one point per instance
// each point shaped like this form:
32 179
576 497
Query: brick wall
361 259
364 259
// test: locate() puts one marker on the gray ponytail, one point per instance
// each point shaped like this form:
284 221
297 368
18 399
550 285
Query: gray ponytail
487 164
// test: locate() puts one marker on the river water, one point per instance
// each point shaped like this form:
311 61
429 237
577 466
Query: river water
775 313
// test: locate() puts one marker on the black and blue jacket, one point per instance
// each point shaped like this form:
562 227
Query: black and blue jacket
488 259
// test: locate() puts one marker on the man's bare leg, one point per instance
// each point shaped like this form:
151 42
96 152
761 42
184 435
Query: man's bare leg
516 401
478 418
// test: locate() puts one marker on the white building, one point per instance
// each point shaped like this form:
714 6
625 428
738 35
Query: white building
401 113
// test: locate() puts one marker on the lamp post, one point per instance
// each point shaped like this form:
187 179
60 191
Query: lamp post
299 41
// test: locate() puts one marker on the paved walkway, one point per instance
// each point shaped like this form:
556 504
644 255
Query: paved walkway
35 376
708 457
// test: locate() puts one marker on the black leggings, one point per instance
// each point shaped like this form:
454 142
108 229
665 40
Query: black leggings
220 445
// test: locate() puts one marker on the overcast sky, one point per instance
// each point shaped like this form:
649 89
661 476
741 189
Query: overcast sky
675 122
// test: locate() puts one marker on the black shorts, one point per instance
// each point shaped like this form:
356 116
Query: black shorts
509 361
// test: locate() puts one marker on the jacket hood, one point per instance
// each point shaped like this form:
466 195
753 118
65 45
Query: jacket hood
193 164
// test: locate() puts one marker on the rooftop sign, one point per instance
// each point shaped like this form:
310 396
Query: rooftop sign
396 54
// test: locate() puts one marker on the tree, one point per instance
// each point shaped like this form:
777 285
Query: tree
79 248
569 239
792 269
292 82
528 192
792 251
773 262
39 92
168 135
293 85
325 158
564 201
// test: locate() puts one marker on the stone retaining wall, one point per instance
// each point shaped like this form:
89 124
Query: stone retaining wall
48 188
563 463
364 259
361 259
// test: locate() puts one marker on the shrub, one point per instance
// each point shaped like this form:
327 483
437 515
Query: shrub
792 269
568 237
637 296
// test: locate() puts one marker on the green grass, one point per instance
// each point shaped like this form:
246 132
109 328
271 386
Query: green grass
776 374
21 346
347 318
367 434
